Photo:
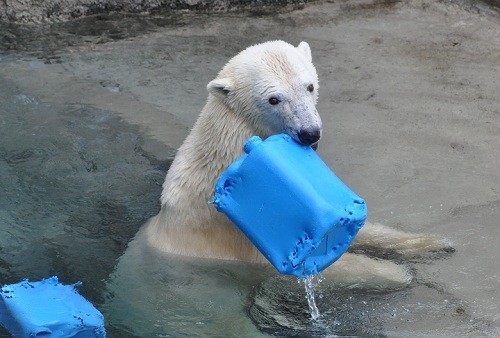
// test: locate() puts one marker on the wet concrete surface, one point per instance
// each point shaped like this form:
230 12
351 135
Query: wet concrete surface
409 99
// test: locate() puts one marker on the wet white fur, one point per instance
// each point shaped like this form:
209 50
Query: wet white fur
237 108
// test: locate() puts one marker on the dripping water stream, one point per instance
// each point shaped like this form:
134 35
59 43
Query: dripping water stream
311 301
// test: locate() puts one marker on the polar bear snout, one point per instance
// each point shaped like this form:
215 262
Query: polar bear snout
310 137
302 122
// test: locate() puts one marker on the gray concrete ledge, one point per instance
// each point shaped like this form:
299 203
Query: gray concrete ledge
35 11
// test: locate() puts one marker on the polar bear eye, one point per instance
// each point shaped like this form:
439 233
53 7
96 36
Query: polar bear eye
273 101
310 88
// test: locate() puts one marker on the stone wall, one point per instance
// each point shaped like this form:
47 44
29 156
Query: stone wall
33 11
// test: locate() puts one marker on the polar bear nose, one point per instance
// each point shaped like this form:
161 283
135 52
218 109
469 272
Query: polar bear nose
309 136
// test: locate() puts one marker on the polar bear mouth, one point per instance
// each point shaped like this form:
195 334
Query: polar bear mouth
309 137
313 143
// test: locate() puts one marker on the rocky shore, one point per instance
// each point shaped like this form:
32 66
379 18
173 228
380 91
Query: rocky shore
33 11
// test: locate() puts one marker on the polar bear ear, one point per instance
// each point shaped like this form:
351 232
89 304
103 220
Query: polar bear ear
304 48
220 88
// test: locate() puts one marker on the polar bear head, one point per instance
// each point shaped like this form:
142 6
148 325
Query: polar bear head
274 86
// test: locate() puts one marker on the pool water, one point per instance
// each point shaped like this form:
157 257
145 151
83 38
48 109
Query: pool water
65 207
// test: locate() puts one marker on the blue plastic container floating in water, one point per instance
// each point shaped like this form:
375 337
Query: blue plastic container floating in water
292 207
48 309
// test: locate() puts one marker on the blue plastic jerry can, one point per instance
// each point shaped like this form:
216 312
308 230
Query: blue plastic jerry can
48 309
293 208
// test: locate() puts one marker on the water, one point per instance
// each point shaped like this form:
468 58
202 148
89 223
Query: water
91 114
63 198
65 209
311 301
280 308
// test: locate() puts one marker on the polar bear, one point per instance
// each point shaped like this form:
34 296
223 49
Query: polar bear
266 89
161 285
